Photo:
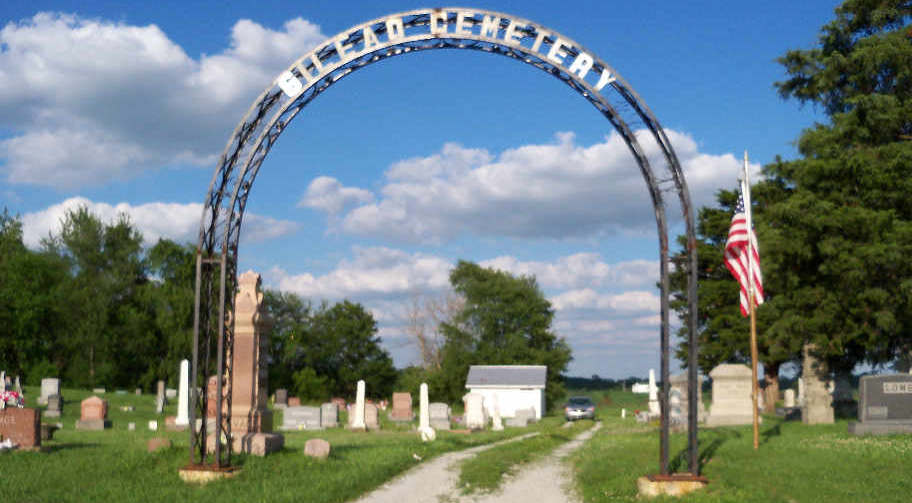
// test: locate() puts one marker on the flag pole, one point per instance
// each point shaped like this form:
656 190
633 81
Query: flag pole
755 388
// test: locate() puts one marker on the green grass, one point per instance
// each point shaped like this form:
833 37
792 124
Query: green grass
795 463
113 465
485 471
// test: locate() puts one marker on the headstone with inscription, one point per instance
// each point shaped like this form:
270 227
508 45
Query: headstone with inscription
54 406
371 416
301 418
439 416
22 426
402 407
49 386
885 405
731 396
329 415
93 414
818 402
681 384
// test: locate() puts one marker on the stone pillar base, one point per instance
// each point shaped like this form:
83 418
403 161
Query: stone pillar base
678 484
257 444
201 474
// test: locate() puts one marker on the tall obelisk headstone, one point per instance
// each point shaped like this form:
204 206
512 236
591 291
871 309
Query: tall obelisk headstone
183 397
357 422
251 420
424 415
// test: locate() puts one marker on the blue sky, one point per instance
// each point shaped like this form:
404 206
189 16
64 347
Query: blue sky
399 170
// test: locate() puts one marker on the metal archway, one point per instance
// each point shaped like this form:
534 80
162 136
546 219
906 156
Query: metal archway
351 50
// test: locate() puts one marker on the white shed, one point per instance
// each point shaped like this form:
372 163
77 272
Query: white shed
516 386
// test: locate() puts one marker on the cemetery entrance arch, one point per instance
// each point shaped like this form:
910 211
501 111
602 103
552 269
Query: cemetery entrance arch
356 48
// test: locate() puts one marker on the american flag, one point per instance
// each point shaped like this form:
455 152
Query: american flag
736 257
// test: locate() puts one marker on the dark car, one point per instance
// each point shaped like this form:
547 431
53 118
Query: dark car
579 407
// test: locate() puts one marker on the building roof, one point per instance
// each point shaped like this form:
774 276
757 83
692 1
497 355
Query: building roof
506 376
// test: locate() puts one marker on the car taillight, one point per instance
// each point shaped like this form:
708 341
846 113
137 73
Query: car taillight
591 409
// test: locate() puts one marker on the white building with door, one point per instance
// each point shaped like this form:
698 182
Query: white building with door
516 387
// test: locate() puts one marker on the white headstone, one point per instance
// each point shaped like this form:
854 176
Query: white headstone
474 411
789 398
731 395
183 396
424 414
153 425
358 421
496 422
653 395
49 386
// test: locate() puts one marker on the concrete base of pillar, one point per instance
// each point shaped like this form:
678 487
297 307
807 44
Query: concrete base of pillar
679 484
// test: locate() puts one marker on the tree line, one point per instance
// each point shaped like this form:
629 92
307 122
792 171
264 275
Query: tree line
835 225
95 307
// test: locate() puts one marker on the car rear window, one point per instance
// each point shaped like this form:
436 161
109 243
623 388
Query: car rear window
580 401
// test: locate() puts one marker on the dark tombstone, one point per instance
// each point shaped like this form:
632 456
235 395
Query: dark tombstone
54 406
884 406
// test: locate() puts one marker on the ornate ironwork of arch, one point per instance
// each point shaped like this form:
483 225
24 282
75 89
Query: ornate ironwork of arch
356 48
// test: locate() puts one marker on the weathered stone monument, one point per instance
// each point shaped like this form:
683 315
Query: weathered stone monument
49 386
680 386
54 406
93 414
818 404
356 418
522 417
654 409
424 415
475 416
281 398
22 426
329 415
731 396
885 405
439 416
402 407
496 420
160 399
183 395
788 398
302 418
251 419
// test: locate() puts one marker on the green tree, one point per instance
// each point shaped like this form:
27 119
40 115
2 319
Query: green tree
839 220
505 320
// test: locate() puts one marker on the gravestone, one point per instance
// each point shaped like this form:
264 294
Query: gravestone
496 420
522 417
818 405
301 418
317 448
654 409
22 426
329 415
160 398
293 401
681 383
731 396
356 418
340 403
170 393
93 414
281 398
371 416
789 398
54 406
475 416
98 391
251 419
885 405
402 407
183 396
439 416
424 417
49 386
137 391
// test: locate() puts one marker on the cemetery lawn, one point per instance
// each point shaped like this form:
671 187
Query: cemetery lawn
795 462
485 471
113 465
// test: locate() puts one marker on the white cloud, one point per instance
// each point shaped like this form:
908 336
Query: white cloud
90 100
553 190
176 221
327 194
581 270
632 302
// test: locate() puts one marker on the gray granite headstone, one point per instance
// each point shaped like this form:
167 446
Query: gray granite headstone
885 405
301 417
281 398
329 415
439 415
371 417
54 406
49 386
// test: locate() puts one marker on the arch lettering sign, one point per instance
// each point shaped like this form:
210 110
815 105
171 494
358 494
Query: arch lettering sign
394 35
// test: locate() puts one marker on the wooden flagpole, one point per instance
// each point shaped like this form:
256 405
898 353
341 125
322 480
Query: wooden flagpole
755 388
